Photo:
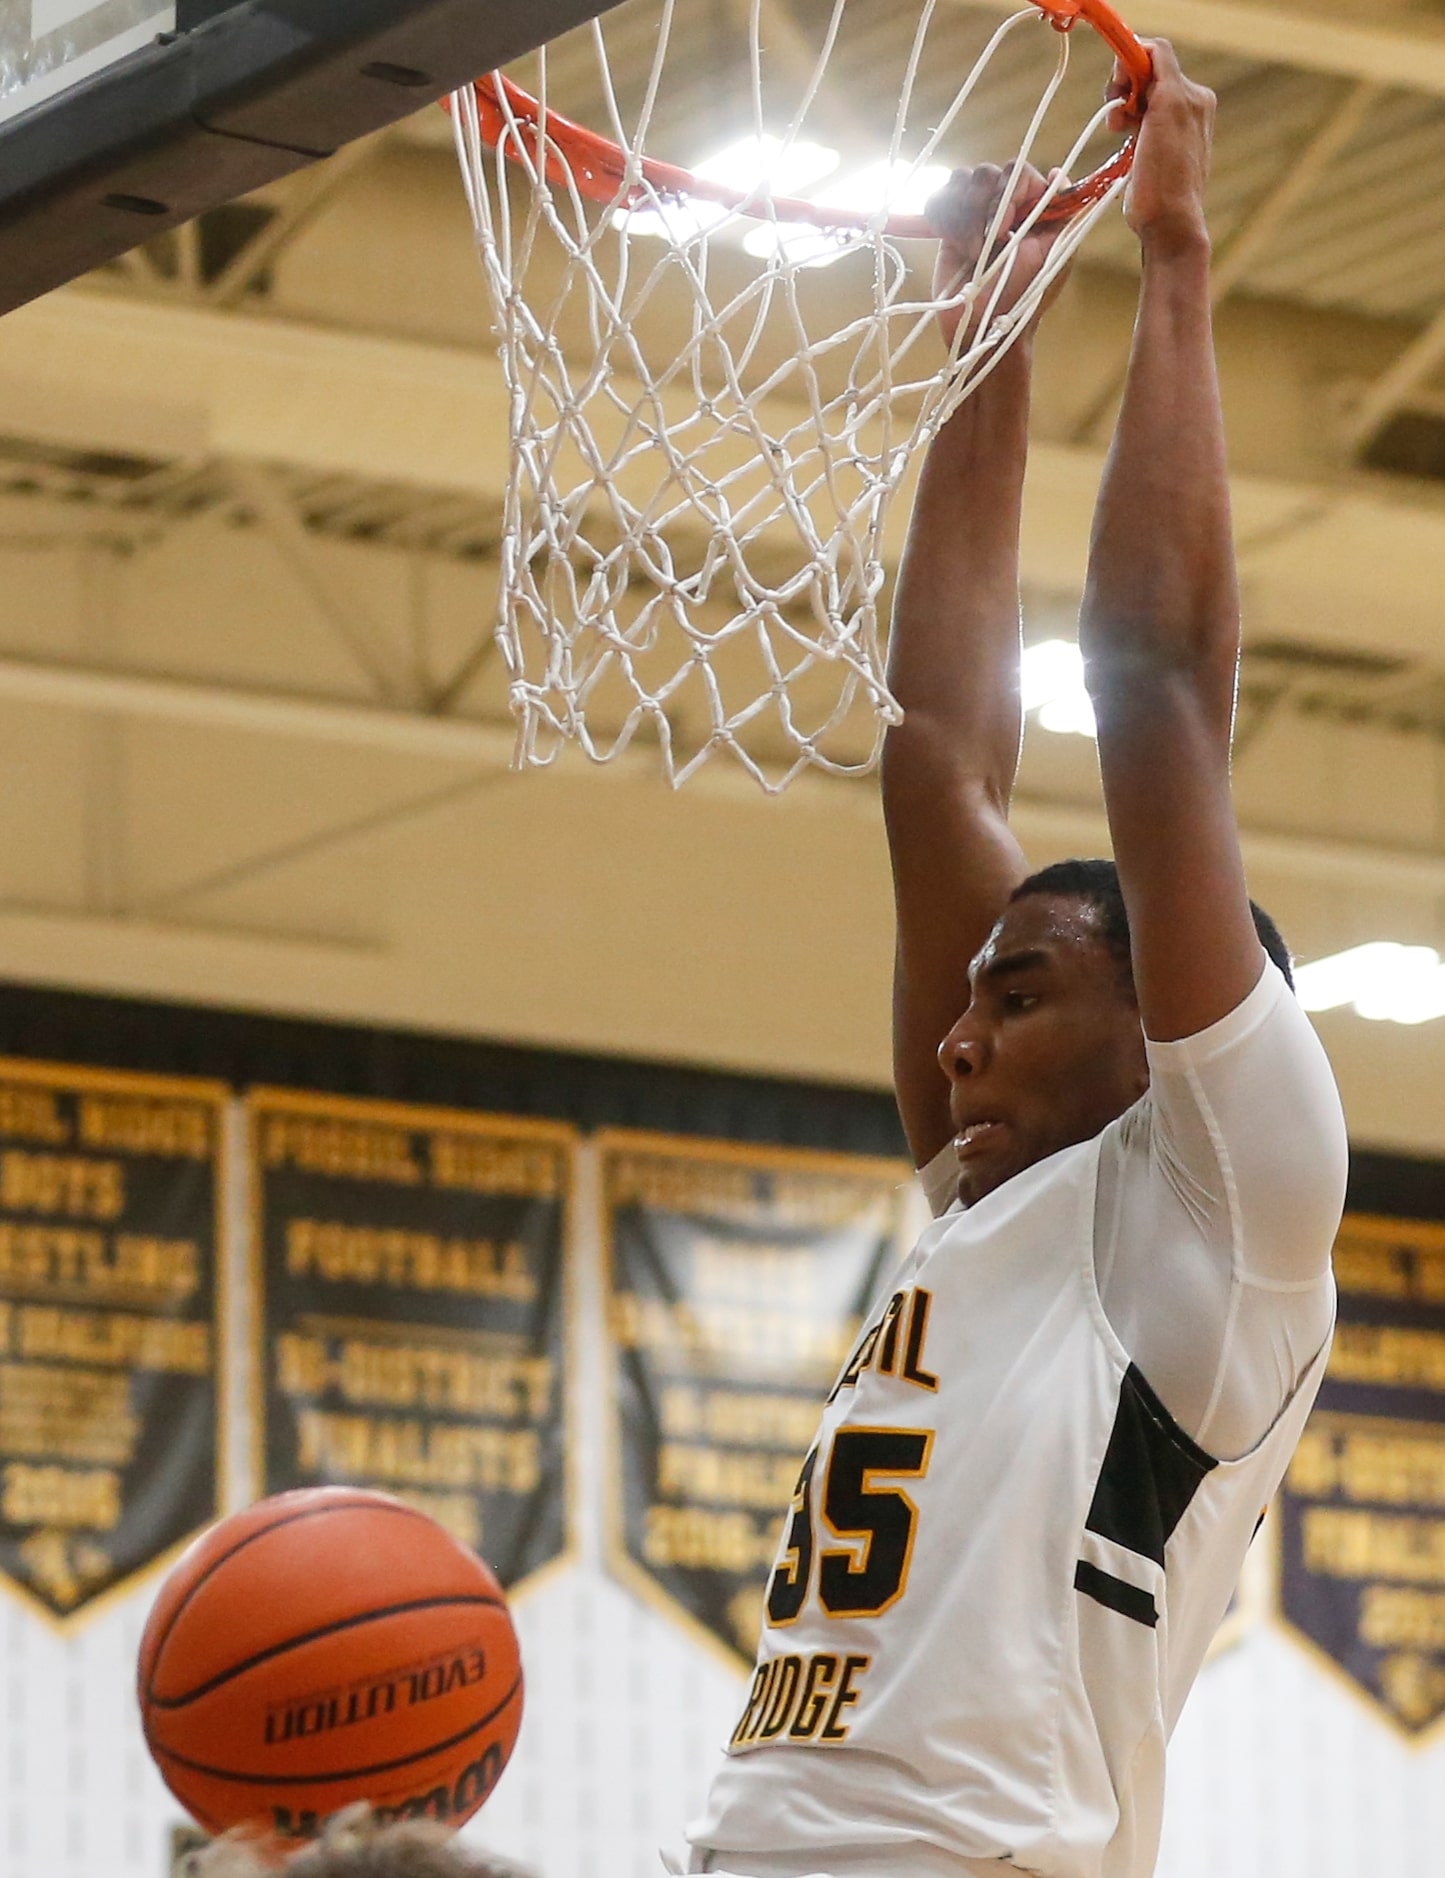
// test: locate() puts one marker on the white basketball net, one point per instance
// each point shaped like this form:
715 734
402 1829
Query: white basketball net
706 439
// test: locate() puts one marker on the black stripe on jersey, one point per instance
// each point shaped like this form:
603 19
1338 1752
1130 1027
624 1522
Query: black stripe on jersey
1105 1588
1151 1472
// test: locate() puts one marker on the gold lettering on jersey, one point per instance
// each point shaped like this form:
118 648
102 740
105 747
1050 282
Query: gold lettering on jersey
913 1370
894 1346
860 1360
889 1328
801 1699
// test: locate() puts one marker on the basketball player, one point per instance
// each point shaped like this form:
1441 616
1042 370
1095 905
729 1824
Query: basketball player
1038 1474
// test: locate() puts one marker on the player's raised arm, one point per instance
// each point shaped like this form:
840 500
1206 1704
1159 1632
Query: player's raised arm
1160 625
949 768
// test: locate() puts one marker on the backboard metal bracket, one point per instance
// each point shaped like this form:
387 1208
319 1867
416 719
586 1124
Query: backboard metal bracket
242 92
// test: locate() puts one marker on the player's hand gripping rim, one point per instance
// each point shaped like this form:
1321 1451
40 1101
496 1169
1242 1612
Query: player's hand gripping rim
989 254
1164 197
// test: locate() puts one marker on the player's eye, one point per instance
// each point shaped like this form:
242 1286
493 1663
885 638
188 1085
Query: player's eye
1020 1000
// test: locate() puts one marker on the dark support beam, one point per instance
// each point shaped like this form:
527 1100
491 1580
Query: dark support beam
240 94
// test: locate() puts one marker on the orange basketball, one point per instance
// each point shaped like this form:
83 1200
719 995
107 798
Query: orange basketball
323 1647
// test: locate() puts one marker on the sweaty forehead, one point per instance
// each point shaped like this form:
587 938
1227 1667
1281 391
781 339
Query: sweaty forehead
1056 925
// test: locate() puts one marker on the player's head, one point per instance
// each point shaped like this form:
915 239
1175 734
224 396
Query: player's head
1096 883
354 1845
1050 1049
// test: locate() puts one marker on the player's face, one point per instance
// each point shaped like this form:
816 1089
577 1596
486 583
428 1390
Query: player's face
1050 1049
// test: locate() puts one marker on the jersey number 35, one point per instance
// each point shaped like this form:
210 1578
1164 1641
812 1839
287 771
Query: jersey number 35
870 1573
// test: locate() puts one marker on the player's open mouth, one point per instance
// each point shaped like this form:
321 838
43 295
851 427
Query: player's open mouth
975 1135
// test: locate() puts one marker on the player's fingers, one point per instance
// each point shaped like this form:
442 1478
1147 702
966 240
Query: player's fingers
961 209
1029 184
1167 69
1124 92
1030 189
1169 89
1057 181
1119 89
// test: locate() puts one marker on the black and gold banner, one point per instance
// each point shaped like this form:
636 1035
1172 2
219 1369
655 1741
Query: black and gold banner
413 1312
1362 1513
110 1190
736 1279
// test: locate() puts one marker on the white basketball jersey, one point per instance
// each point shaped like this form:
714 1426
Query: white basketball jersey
1002 1570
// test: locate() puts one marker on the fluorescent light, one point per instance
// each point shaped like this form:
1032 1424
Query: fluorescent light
1069 715
886 187
800 244
769 165
898 187
677 222
1051 676
1386 982
765 164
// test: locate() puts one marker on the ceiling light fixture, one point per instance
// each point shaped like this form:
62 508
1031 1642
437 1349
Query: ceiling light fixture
1384 981
1052 683
770 166
887 187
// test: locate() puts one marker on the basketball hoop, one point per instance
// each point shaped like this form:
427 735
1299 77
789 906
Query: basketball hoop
703 454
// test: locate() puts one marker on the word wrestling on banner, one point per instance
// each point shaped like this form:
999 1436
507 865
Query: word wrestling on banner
737 1282
1362 1513
109 1222
413 1312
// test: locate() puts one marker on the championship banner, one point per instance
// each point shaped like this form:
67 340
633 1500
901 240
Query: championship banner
737 1279
110 1357
1362 1512
412 1313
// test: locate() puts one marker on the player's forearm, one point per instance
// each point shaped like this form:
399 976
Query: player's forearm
1162 598
1160 634
954 647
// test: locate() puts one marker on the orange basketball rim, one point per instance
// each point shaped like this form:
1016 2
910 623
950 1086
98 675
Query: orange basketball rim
603 172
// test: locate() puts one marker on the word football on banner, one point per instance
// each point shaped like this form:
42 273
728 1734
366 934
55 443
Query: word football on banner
1362 1572
413 1312
737 1282
110 1190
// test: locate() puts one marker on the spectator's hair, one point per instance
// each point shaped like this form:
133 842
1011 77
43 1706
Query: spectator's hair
1097 884
352 1845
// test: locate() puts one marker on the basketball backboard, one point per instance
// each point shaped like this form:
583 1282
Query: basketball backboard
120 118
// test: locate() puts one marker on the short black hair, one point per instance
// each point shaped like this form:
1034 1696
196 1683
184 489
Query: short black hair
1097 884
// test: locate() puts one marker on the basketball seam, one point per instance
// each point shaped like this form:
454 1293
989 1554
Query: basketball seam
345 1773
308 1512
172 1702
